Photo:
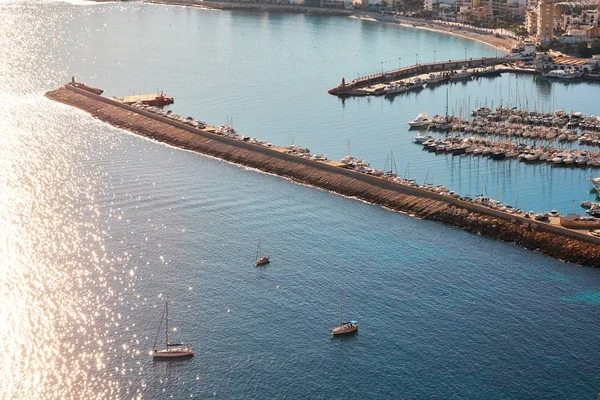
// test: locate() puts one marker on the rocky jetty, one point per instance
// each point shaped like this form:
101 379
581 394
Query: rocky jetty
554 241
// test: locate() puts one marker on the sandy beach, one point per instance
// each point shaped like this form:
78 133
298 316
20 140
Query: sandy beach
501 42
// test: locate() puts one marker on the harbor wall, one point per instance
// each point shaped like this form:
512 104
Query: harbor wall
555 241
414 70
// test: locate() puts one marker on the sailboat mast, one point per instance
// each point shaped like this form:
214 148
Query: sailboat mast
158 330
446 103
167 322
258 250
341 319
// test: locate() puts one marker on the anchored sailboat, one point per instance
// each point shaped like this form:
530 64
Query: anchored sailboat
172 350
261 259
344 327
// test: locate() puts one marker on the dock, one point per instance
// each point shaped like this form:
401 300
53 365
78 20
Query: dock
550 239
353 87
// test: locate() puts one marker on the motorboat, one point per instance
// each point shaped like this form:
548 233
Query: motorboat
435 78
421 139
395 89
489 71
533 156
575 221
596 183
562 74
570 159
421 120
344 327
171 350
463 73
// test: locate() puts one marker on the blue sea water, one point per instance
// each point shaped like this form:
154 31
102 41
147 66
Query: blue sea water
100 226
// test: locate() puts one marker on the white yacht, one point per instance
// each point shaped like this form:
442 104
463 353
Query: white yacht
421 120
596 183
393 89
435 78
463 73
562 74
570 159
533 156
420 139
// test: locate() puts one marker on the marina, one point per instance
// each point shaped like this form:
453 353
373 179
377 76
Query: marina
351 177
106 222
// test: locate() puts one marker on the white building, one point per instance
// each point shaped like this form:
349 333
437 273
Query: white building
432 4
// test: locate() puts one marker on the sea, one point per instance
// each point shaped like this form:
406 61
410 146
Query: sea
100 227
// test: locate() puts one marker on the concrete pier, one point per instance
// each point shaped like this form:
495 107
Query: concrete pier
414 70
556 241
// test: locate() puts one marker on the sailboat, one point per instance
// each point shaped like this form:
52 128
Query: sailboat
344 327
260 258
171 350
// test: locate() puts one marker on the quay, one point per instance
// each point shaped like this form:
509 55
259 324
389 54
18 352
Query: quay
548 238
353 88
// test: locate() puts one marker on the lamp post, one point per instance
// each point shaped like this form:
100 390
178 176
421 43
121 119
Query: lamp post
400 61
417 58
465 52
434 56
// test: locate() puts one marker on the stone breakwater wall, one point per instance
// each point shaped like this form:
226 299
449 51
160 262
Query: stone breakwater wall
554 241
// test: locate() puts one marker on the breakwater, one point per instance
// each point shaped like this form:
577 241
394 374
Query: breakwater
555 241
347 89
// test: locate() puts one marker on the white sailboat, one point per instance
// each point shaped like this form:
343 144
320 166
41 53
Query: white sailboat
261 259
344 327
171 350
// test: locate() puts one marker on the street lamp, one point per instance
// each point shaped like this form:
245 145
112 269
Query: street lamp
465 52
434 56
417 58
400 60
382 68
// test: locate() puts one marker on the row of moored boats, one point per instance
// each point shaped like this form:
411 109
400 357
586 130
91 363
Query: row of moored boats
458 145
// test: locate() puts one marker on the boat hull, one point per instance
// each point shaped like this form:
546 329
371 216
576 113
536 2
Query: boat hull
344 330
171 354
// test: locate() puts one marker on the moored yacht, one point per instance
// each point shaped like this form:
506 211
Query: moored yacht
435 78
395 89
596 183
562 74
421 139
421 120
463 73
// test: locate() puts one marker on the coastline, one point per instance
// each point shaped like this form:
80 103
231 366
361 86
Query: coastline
549 239
503 43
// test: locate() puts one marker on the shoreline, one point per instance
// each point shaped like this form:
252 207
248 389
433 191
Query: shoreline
503 44
549 239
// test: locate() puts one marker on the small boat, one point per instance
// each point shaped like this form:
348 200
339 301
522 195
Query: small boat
420 139
434 78
261 259
575 221
489 71
171 350
395 89
562 74
344 327
463 73
596 183
421 120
